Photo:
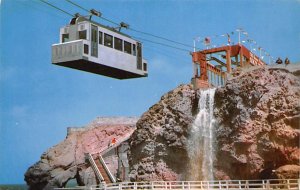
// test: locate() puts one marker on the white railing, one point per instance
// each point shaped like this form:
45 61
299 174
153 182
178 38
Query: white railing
272 184
67 50
110 175
118 143
94 166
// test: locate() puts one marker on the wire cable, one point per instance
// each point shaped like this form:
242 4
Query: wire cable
77 5
57 8
163 44
148 34
109 21
138 31
145 33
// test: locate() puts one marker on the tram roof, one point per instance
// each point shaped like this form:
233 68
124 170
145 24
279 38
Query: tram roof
83 18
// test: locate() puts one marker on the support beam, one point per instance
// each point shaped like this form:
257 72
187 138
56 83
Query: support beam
241 58
203 67
213 74
228 61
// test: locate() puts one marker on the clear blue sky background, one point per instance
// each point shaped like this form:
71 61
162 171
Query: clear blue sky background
38 100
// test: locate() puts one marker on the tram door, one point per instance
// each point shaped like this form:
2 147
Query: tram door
94 38
139 56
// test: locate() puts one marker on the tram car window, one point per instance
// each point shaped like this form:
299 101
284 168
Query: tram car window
89 46
127 47
100 37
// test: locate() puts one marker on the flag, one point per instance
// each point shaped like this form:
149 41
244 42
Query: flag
207 40
228 36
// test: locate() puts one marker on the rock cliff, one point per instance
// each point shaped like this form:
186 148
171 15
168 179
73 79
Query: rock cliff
259 124
67 161
158 146
257 130
257 134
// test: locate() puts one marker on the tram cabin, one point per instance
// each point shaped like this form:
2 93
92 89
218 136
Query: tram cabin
89 46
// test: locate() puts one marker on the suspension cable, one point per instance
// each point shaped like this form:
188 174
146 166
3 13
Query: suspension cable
159 43
145 33
77 5
139 38
49 4
148 34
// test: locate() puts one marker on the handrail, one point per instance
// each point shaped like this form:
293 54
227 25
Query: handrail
119 141
270 184
112 178
95 168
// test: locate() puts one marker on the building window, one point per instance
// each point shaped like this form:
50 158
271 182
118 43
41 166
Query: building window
82 34
108 40
118 44
127 47
86 49
65 38
100 38
145 66
134 49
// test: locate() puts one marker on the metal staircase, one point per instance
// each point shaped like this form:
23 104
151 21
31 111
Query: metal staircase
95 167
98 164
101 170
108 177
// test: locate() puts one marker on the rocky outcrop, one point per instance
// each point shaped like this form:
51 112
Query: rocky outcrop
257 132
258 114
158 146
287 172
67 161
257 135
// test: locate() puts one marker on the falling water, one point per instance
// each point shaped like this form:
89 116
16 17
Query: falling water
201 140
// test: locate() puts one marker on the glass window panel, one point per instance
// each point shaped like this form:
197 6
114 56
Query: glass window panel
108 40
127 47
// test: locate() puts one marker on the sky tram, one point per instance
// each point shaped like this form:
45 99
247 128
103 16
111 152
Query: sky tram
89 46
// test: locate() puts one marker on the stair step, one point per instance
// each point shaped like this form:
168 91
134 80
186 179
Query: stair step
103 171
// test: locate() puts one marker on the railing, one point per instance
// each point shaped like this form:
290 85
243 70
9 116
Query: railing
110 175
272 184
118 143
94 166
67 50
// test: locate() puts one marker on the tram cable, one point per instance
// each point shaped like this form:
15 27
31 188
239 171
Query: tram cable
149 34
163 44
79 6
53 6
138 31
143 39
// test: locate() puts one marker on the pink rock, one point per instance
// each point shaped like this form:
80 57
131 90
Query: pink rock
66 160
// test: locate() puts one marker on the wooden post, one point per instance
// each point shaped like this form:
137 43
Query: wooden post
195 69
241 58
203 66
228 61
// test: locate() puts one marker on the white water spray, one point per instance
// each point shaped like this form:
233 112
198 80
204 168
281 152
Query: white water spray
201 140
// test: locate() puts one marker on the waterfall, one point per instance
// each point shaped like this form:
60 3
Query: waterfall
201 139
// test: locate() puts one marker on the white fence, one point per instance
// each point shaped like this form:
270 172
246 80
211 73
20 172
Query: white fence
272 184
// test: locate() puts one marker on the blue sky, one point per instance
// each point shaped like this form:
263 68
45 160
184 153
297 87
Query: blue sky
38 100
